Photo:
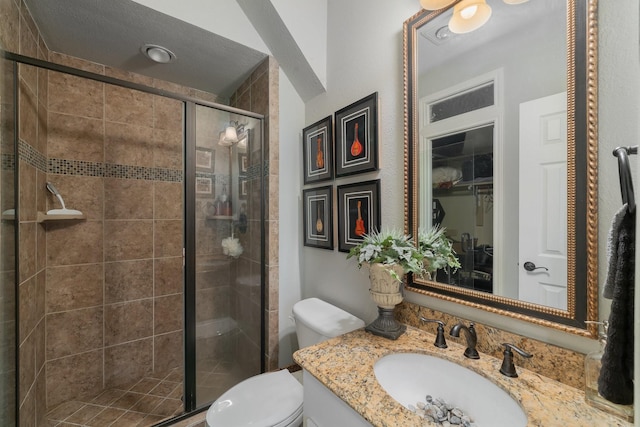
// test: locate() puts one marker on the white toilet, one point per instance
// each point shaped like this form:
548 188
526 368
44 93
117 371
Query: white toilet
274 399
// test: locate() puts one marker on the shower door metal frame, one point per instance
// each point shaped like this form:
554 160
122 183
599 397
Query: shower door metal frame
189 105
16 228
190 249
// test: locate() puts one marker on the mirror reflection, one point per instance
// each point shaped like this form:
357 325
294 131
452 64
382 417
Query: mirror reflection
497 155
462 202
479 95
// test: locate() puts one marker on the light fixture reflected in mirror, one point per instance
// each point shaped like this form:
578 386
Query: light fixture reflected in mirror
230 134
469 15
242 143
515 1
233 133
223 142
435 4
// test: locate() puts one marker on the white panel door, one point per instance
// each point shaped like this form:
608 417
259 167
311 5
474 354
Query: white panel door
543 201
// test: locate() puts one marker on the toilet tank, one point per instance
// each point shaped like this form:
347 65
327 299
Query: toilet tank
317 320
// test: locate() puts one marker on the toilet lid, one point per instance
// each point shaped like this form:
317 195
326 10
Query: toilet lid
324 318
265 400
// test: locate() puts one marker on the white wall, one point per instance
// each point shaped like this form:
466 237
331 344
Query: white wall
291 123
619 110
221 17
365 55
313 44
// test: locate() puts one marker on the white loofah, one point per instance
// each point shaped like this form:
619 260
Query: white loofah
232 247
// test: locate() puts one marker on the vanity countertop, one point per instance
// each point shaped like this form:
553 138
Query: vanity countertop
345 366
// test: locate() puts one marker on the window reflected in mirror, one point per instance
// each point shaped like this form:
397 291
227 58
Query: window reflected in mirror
462 191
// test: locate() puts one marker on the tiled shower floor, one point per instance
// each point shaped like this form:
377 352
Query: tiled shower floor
147 402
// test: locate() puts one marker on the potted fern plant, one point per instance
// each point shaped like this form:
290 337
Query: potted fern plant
390 254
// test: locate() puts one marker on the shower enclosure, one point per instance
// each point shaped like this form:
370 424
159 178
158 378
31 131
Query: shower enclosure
150 303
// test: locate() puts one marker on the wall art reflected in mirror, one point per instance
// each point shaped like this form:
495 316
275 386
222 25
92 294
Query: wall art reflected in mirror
500 148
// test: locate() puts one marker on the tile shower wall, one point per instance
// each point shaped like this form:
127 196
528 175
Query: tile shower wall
114 281
259 93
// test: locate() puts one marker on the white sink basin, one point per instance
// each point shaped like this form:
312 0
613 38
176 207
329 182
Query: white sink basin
409 377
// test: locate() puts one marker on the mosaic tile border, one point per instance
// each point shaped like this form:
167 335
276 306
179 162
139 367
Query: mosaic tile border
8 162
32 156
253 171
95 169
111 170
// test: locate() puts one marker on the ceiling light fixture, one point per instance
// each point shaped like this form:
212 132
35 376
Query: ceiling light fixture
435 4
469 15
515 1
158 54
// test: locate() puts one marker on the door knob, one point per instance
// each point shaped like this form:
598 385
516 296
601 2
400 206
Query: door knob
529 266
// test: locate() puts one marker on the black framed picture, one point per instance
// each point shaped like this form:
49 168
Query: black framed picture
358 212
243 187
204 159
243 163
317 151
318 217
357 137
204 185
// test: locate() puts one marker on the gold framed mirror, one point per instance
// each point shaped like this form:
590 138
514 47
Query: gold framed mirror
483 112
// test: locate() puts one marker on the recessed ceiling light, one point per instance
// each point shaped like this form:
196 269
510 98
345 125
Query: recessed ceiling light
158 54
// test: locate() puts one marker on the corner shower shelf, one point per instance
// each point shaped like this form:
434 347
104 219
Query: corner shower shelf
43 217
226 217
9 215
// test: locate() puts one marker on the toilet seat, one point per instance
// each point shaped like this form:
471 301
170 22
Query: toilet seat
272 399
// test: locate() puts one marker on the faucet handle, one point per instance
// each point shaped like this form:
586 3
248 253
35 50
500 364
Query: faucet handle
508 368
440 341
471 351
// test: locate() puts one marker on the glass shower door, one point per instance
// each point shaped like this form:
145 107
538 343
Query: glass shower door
227 250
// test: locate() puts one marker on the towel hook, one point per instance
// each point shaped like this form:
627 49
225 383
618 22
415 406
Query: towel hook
624 170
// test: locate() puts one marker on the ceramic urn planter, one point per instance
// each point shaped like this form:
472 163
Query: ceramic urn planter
386 293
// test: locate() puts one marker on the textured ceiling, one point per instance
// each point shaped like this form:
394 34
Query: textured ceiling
111 32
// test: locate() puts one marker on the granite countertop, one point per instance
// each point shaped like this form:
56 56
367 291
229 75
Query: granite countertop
345 366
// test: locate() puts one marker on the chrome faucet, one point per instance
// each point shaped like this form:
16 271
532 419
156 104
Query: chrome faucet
472 339
440 341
